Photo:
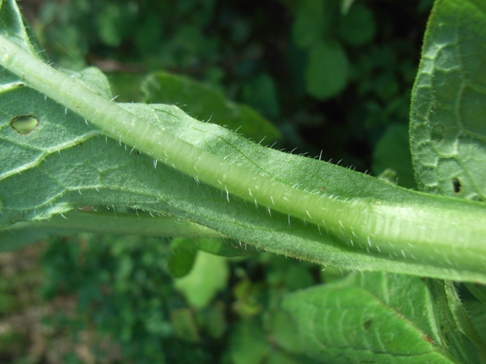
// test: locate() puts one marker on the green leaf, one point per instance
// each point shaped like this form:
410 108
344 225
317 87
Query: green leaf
477 313
461 318
379 318
392 151
156 158
94 79
478 290
126 86
284 331
161 189
203 103
12 26
184 325
310 23
184 253
261 94
107 22
248 343
327 70
448 129
207 277
225 248
357 27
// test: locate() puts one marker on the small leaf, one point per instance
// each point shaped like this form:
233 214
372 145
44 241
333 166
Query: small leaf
309 23
110 23
206 278
261 94
248 343
215 320
184 325
478 290
204 103
184 253
392 151
226 248
327 70
477 312
284 331
357 27
12 26
126 86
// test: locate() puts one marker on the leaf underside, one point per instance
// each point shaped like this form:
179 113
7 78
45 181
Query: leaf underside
448 126
64 163
380 318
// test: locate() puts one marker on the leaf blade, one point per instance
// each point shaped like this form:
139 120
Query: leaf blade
321 213
448 133
377 317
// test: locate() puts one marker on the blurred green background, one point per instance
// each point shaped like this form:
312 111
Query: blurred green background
329 78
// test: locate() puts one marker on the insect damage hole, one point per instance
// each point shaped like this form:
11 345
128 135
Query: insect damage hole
24 124
456 185
367 324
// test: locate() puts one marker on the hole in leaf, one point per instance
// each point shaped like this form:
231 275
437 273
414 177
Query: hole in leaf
367 324
24 124
456 185
437 133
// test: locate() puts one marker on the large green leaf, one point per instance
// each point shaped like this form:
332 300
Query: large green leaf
448 126
379 318
448 130
157 159
68 172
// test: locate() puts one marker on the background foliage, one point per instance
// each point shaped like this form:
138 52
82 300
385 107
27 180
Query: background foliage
335 80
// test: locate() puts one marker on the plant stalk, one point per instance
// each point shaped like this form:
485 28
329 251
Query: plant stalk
443 232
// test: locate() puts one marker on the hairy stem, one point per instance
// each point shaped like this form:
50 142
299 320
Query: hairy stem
414 227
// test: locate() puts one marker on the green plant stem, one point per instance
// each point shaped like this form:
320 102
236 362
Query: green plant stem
439 231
